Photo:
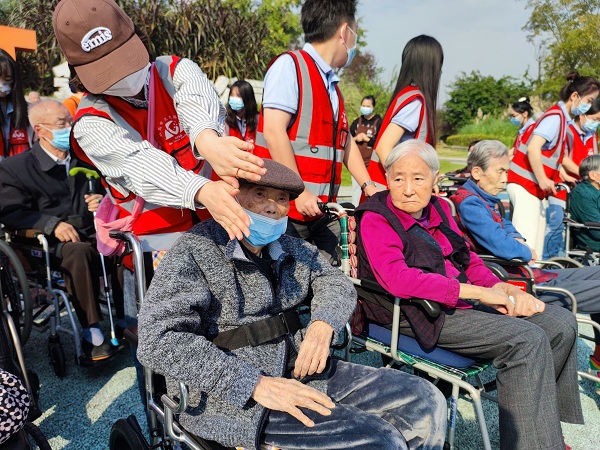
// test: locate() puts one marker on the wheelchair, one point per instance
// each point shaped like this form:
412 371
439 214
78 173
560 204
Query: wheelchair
14 326
447 370
50 295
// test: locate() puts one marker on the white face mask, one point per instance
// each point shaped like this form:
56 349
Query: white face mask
129 86
5 88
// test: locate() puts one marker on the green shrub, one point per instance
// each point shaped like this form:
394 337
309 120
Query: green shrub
490 128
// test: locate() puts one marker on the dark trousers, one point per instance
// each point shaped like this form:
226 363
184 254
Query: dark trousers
323 233
80 265
375 408
536 358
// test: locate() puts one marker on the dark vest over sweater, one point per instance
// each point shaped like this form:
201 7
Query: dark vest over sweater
421 251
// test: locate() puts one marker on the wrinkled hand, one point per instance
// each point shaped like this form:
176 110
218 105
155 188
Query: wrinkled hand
314 349
525 304
227 154
497 299
65 232
93 201
306 204
282 394
218 198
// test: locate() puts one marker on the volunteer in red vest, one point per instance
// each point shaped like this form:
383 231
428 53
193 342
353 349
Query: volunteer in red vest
521 114
303 123
582 138
15 132
535 168
364 131
242 112
156 157
412 112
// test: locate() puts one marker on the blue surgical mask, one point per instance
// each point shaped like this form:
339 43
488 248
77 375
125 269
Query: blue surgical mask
351 52
581 109
61 138
515 120
5 88
236 103
264 230
366 110
590 125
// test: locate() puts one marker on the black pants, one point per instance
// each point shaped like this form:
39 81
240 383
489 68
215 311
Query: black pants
323 232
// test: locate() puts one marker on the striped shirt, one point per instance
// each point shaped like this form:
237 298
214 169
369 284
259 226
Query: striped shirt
130 165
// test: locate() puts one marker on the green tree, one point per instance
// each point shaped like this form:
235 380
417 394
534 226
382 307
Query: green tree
236 38
569 30
474 92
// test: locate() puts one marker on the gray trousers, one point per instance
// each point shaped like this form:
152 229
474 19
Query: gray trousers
584 284
536 358
375 409
323 233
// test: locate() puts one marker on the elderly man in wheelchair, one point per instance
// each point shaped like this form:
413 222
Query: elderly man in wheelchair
37 192
495 235
221 316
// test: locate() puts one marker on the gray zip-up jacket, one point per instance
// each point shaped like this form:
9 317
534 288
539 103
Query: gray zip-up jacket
205 284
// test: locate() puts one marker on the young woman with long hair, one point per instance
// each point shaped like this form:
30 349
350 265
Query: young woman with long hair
242 112
412 112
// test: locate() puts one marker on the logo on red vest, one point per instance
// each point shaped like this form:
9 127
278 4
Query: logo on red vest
169 129
18 134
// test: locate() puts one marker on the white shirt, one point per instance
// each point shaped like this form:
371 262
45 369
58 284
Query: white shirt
130 165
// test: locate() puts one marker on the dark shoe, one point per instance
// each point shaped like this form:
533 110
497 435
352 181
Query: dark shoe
98 352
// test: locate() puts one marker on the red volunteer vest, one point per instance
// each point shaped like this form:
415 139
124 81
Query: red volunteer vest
577 149
317 137
168 134
404 97
249 136
18 142
520 169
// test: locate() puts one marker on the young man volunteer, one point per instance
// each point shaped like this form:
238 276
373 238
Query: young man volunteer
303 122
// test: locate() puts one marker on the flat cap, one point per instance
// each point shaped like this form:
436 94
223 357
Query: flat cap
279 176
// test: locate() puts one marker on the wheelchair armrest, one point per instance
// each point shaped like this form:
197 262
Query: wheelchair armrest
29 233
497 270
431 308
592 224
503 262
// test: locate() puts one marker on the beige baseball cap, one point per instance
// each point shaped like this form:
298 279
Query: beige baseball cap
99 40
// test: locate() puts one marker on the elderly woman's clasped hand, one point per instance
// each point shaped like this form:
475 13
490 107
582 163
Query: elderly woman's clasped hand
505 298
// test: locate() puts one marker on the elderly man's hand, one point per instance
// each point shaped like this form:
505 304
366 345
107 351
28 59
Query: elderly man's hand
230 157
314 349
65 232
218 198
282 394
93 201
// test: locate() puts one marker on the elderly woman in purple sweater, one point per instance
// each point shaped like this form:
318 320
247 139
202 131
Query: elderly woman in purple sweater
410 244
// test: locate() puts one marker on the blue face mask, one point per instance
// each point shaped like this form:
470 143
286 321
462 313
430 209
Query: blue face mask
236 103
515 120
264 230
351 52
590 125
366 110
61 138
581 109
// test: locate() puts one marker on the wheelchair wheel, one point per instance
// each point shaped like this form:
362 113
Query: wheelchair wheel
14 290
123 436
35 437
57 356
566 262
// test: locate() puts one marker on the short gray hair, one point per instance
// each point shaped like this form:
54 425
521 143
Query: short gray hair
483 152
422 149
39 112
588 164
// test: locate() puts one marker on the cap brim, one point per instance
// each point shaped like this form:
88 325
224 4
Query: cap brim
101 74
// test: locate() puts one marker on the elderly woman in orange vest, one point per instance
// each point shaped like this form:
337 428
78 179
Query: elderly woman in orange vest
15 132
412 111
242 112
535 168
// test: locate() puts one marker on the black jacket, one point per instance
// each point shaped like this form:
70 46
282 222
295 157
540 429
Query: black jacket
37 193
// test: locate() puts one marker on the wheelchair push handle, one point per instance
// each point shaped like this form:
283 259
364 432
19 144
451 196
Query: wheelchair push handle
90 174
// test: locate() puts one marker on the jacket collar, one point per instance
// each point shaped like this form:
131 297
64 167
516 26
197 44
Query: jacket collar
234 251
489 198
46 163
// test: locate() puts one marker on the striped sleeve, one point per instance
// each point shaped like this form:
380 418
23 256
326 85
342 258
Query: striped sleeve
134 166
196 101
